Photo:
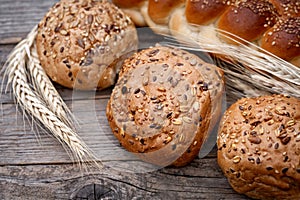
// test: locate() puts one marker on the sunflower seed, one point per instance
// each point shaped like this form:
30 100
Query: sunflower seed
177 121
236 159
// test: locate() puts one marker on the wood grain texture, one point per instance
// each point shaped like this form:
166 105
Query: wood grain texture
64 182
34 165
17 18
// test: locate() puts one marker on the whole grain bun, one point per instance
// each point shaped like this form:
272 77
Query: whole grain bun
259 147
252 20
161 105
213 76
80 43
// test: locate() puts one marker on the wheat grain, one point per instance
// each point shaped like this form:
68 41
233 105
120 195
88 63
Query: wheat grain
249 69
42 83
32 103
45 88
28 100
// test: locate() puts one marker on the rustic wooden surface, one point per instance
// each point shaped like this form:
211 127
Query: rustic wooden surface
33 165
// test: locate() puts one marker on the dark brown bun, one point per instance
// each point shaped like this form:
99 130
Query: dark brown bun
252 20
161 105
209 11
80 43
284 39
248 19
259 147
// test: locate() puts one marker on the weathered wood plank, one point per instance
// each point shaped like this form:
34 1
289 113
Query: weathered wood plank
17 18
64 182
19 142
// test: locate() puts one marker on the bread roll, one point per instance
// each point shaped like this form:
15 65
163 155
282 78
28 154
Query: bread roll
213 76
252 20
80 43
259 147
161 105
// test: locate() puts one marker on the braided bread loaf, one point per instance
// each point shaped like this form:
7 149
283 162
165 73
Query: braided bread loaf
273 25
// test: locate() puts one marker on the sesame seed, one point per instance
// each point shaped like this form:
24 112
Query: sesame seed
181 138
176 121
193 91
236 159
187 119
63 32
290 123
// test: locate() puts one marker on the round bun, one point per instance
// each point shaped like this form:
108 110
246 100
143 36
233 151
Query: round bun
160 11
81 43
209 10
248 19
259 147
288 8
161 105
283 39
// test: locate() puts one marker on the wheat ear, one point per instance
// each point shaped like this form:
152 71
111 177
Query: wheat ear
251 70
45 88
30 101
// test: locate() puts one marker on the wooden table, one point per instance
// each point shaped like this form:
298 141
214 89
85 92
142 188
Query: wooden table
34 165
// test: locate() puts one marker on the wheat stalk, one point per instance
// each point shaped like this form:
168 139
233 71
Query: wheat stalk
42 83
249 69
31 102
45 88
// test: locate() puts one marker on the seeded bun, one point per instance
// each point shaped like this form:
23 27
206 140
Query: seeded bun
213 76
161 105
285 36
259 147
81 43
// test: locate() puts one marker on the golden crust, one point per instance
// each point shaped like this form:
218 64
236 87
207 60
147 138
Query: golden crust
78 43
161 105
283 39
209 10
248 19
259 147
287 8
159 11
